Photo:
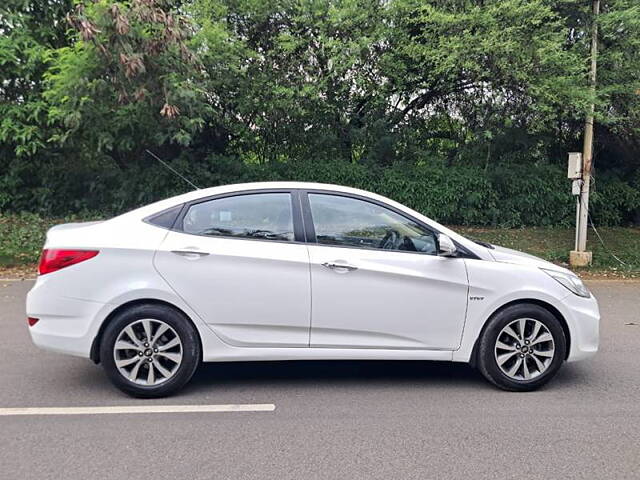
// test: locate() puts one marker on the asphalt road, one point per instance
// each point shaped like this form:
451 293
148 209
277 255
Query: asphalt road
333 420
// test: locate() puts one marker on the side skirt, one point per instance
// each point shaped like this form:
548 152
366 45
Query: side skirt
239 354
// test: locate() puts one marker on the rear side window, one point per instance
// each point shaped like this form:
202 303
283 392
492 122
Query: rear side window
263 216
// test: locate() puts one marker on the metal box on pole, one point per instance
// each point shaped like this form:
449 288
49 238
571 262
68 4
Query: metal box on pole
575 165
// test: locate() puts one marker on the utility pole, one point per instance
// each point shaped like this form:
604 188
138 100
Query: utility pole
580 257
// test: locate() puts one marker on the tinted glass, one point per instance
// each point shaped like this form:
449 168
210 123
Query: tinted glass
350 222
167 218
264 216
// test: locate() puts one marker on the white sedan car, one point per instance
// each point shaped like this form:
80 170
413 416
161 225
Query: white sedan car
299 271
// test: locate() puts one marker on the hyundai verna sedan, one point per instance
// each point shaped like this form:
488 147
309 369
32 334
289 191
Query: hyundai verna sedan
299 271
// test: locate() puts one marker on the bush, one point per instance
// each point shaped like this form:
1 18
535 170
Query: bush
22 235
503 195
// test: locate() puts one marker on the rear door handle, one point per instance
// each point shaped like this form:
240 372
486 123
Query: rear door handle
339 266
190 253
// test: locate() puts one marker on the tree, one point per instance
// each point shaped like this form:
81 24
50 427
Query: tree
244 89
29 31
129 81
493 68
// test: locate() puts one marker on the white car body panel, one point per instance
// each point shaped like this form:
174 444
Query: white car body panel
360 308
272 295
250 292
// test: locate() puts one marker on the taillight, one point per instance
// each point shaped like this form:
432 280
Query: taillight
32 321
54 259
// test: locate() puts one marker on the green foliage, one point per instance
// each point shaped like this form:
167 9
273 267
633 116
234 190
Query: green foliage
463 109
129 80
29 31
23 235
507 196
492 62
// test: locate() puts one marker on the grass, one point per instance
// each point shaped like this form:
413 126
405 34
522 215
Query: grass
554 244
22 236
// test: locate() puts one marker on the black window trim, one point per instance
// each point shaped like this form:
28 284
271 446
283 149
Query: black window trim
310 234
298 229
150 218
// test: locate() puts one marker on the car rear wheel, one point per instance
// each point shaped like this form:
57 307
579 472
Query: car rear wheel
522 348
150 350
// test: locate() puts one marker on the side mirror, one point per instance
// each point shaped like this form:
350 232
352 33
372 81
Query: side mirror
446 247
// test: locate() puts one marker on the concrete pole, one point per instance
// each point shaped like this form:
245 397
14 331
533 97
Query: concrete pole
580 256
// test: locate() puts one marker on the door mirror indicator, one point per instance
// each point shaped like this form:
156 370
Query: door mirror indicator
446 247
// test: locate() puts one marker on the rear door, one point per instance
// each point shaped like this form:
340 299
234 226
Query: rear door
377 279
240 263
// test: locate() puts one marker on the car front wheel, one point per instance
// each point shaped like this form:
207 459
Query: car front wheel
150 350
522 348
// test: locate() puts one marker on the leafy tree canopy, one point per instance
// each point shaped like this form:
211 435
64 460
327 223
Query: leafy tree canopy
224 84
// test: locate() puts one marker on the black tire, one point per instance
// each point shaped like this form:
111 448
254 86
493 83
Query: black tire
486 359
184 329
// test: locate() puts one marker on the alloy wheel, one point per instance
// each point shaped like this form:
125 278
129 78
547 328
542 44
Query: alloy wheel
148 352
524 349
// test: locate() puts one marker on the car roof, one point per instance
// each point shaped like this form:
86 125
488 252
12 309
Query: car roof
242 187
238 187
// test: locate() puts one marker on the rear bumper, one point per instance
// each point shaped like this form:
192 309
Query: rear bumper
583 319
66 325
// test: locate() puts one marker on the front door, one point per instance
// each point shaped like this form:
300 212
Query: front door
378 281
235 261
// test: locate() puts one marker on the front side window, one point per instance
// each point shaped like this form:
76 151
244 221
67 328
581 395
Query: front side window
263 216
349 222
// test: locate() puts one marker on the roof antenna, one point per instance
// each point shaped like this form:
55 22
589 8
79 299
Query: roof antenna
170 168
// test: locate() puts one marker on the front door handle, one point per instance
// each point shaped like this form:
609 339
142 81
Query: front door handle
190 253
339 266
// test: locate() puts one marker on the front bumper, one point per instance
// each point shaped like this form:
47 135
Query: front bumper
583 319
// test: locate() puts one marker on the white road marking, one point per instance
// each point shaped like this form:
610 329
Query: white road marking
257 407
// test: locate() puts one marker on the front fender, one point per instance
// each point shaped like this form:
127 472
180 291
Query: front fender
493 285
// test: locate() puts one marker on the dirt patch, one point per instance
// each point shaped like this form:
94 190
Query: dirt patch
19 272
610 275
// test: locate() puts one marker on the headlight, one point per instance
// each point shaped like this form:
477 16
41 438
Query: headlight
570 282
